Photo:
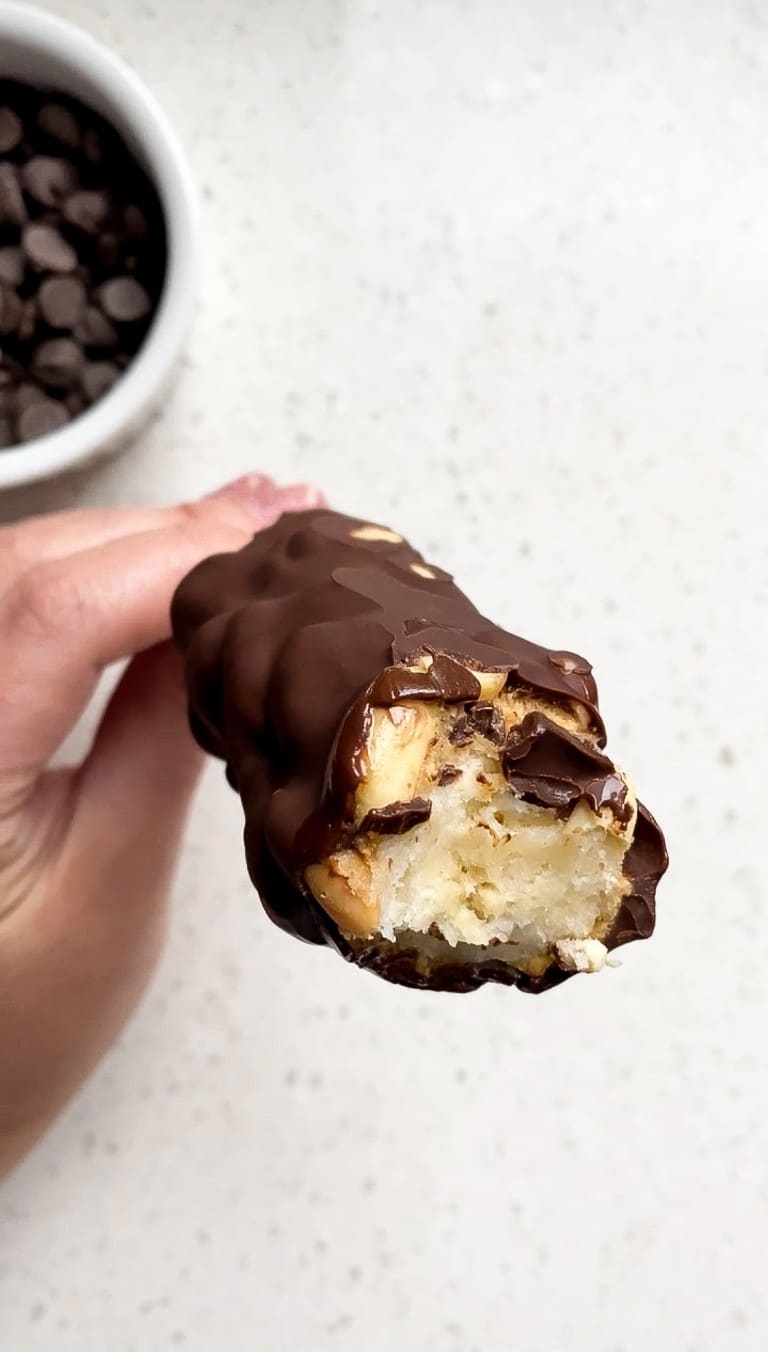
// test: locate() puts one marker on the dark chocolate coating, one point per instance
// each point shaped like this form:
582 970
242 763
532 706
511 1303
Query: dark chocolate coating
397 818
548 765
290 644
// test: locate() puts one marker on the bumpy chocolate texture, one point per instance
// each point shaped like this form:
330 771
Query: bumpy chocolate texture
294 643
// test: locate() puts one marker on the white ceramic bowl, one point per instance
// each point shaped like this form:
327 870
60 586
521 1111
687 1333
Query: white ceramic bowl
46 51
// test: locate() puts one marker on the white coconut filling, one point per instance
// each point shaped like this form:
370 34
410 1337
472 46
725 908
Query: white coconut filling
491 869
489 877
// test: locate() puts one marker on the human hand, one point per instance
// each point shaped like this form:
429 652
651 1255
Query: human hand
87 854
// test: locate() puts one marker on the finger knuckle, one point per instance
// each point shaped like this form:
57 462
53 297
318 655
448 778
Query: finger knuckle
191 526
43 602
191 516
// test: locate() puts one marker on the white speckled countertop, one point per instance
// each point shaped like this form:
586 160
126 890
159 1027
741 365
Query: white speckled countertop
496 273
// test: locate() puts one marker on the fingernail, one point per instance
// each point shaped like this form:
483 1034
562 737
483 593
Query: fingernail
254 492
298 497
259 494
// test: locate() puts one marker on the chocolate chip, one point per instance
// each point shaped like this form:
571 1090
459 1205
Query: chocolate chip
95 330
447 775
13 266
47 249
62 302
488 721
124 300
397 818
12 208
48 181
480 720
10 373
42 418
87 210
28 394
75 403
134 222
28 320
108 249
461 733
10 311
10 131
58 363
60 124
92 144
98 378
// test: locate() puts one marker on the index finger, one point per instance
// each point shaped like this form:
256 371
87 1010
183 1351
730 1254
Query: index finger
64 620
57 534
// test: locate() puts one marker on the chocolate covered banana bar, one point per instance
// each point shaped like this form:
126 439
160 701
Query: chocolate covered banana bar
423 791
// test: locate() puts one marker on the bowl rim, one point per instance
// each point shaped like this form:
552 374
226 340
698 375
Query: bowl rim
102 427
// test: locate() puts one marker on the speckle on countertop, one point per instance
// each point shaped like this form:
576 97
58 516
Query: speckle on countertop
494 274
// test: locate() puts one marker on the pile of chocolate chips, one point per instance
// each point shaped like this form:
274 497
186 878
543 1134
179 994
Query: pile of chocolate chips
82 260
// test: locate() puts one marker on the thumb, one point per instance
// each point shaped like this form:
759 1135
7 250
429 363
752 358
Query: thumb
137 782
